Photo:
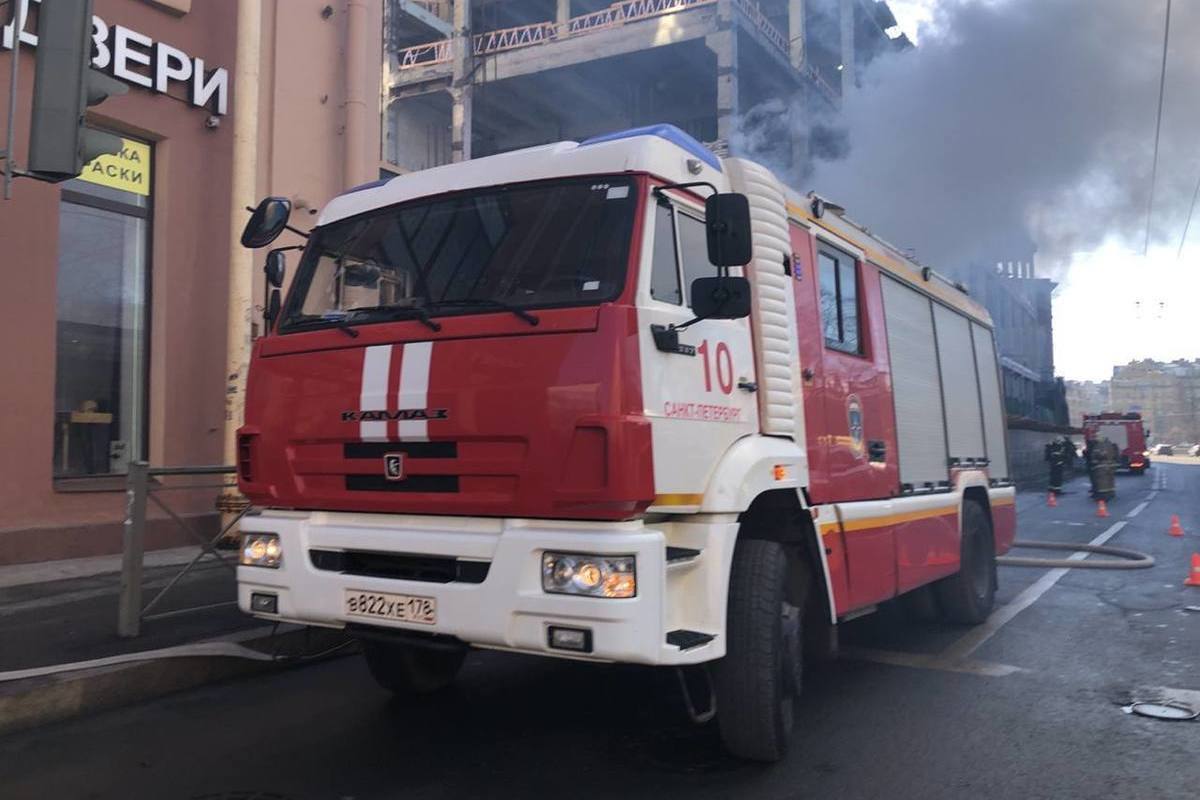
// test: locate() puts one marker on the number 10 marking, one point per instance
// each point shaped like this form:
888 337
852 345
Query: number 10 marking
724 367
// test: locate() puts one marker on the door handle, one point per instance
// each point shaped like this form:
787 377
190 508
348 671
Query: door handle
807 373
666 339
877 450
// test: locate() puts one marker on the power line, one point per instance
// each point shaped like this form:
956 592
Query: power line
1188 223
1162 81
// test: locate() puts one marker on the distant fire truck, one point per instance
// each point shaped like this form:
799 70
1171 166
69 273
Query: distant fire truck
1126 431
619 400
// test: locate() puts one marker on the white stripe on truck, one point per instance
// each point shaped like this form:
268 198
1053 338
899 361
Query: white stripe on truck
413 391
377 361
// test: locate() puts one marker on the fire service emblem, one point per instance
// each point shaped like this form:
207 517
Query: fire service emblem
393 466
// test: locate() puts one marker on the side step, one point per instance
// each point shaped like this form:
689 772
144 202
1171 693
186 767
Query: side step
681 555
686 640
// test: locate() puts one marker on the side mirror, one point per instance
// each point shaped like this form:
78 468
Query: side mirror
271 312
266 222
726 297
275 267
727 218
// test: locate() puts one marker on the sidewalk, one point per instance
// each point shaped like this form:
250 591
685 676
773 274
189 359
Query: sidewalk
60 655
66 611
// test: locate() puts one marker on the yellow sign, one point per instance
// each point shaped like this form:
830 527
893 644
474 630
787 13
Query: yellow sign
128 171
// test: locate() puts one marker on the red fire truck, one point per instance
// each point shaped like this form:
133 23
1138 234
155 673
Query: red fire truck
1126 431
619 400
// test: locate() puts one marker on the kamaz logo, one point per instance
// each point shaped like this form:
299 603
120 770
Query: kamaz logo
399 414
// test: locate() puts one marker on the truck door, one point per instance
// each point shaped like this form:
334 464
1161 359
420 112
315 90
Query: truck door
696 392
855 392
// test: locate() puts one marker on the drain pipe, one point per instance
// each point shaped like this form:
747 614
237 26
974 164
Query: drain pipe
356 59
241 260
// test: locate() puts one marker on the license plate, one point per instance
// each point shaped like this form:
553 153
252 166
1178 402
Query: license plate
397 607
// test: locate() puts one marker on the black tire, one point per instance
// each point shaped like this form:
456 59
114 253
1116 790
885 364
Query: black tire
407 670
758 681
968 596
920 604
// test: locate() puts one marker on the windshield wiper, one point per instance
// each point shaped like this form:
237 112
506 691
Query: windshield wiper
395 312
487 302
341 323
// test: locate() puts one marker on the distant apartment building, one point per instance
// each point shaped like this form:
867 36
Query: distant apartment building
468 78
1167 395
1088 397
1020 306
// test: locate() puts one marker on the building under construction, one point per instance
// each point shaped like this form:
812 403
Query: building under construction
467 78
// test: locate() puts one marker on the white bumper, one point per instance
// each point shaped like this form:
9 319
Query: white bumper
508 609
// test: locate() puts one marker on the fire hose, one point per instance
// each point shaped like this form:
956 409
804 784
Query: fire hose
1121 558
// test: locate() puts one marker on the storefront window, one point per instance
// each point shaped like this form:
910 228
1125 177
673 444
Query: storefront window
99 404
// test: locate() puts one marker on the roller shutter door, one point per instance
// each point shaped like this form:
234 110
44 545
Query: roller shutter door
993 410
960 390
920 432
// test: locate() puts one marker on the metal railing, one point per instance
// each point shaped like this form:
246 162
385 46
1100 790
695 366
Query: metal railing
498 41
513 38
773 35
139 493
823 85
628 11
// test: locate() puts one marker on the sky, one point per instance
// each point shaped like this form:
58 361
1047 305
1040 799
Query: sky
1030 123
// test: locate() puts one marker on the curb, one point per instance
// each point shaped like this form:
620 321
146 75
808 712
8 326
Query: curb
62 694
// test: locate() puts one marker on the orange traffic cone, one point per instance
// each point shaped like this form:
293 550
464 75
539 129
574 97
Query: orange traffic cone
1193 578
1101 508
1051 500
1176 528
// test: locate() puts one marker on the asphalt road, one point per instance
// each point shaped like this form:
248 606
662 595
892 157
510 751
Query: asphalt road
1029 706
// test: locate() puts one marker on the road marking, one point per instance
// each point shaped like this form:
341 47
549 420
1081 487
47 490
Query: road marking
1137 509
976 638
987 669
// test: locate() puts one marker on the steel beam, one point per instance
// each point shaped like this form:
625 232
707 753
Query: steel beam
426 17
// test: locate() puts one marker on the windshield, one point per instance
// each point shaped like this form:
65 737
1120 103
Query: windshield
537 245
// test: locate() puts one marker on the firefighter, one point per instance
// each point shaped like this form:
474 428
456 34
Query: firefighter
1068 448
1102 466
1057 458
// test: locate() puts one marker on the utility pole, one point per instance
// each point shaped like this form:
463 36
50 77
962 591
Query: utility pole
241 260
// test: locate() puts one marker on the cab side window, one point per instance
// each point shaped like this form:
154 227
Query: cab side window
693 251
839 301
664 272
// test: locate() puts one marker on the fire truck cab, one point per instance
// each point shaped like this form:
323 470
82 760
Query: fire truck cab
512 403
1124 429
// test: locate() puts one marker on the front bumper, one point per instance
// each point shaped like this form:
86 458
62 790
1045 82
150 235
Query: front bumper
508 609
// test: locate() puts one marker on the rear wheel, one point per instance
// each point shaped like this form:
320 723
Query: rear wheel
758 681
967 597
408 669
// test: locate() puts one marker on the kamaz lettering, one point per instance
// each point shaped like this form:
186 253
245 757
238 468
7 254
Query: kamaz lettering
399 414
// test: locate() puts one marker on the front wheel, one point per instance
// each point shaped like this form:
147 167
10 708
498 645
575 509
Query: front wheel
408 669
758 681
968 596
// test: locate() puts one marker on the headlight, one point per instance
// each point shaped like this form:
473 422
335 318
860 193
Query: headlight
590 575
261 550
